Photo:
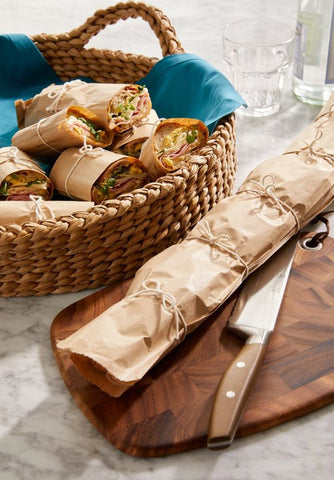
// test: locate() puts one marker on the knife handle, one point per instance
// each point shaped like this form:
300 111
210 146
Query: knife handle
232 394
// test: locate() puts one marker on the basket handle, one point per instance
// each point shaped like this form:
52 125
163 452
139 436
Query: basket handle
159 23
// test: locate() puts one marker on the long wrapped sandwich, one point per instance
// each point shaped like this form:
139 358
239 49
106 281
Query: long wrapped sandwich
171 143
96 174
21 176
71 127
119 106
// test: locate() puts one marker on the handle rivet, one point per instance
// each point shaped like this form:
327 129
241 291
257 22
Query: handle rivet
241 364
230 394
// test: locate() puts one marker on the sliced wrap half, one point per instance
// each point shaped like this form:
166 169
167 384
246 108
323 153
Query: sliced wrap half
171 143
21 176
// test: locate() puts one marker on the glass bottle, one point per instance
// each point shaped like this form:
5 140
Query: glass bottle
313 69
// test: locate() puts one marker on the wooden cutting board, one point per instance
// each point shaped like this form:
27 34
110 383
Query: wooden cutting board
168 411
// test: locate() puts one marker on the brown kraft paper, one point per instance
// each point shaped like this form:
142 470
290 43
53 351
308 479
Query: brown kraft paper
178 289
52 135
96 97
36 209
77 171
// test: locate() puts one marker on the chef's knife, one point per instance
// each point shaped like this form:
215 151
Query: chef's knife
254 316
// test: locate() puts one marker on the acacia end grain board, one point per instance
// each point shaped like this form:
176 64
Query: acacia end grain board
168 410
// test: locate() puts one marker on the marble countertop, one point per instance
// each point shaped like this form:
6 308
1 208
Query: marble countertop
43 433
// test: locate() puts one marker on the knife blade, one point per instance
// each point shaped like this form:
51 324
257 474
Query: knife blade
254 317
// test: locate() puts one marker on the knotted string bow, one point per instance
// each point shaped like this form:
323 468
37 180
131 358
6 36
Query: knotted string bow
151 288
85 150
39 204
205 234
267 189
310 150
57 93
12 154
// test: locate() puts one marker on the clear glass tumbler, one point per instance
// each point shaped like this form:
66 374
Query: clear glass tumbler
258 54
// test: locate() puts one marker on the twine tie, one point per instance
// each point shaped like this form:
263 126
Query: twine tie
216 241
85 150
39 204
57 94
320 153
152 288
309 148
268 190
12 154
38 127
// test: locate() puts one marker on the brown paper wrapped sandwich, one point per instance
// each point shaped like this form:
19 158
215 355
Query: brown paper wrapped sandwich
96 174
119 106
131 143
71 127
21 176
171 143
175 291
35 209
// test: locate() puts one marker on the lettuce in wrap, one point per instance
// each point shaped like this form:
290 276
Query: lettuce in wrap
122 176
126 109
171 143
21 184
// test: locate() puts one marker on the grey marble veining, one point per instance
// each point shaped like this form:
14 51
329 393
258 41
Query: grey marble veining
43 435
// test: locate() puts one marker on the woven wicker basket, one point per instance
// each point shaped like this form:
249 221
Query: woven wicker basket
111 241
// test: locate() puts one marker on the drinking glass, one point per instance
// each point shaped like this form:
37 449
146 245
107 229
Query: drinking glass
258 54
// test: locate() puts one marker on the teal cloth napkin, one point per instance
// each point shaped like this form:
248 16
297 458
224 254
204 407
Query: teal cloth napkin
185 85
23 73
